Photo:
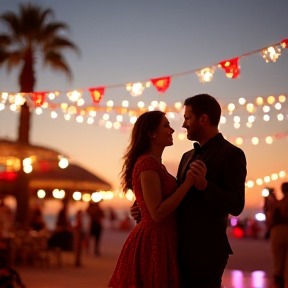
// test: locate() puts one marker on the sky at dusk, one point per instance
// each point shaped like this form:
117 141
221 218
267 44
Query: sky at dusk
130 41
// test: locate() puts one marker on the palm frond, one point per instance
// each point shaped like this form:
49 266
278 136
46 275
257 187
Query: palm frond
57 62
51 29
59 43
11 21
4 56
14 59
44 15
5 40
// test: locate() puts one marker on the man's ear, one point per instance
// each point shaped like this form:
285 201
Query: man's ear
204 119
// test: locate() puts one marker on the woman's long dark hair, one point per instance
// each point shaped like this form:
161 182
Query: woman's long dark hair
145 125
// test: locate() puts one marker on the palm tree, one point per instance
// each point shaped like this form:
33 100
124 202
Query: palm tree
31 34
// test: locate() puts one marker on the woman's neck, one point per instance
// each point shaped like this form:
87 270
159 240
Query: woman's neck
156 153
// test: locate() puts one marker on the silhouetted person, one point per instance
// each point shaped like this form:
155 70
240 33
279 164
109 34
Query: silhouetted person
63 236
112 217
268 201
278 222
79 236
96 218
37 223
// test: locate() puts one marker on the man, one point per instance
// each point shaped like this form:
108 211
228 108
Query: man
220 171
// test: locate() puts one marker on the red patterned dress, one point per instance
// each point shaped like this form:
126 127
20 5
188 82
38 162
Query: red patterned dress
149 255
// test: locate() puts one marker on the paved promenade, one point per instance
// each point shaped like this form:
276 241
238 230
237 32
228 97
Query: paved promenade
250 267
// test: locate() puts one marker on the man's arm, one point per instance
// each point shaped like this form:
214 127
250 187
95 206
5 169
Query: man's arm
232 198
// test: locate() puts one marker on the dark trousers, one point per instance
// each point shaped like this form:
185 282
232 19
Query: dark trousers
203 276
96 231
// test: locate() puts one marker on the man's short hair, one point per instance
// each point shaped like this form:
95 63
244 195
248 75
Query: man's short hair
205 104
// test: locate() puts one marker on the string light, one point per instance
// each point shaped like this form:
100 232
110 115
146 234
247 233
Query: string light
51 96
38 111
54 114
271 99
259 101
74 96
108 124
135 89
266 117
77 195
254 140
116 125
282 98
250 107
177 107
266 179
242 101
271 53
231 107
79 119
90 120
278 106
205 74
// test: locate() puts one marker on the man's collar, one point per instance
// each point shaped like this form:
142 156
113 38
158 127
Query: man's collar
211 142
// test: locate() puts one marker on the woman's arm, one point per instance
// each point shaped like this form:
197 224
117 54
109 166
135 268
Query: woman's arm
152 192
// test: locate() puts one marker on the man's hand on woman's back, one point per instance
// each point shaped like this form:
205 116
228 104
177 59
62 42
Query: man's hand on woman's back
135 212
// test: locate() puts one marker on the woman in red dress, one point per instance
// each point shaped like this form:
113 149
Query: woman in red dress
149 255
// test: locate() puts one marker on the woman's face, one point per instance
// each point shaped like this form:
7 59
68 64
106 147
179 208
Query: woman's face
163 134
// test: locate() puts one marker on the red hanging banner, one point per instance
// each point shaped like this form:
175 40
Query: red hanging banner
161 84
97 93
231 67
38 98
284 43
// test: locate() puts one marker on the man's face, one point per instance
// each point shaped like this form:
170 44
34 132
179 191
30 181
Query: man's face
191 123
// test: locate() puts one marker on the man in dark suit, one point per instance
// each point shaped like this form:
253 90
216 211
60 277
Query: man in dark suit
220 170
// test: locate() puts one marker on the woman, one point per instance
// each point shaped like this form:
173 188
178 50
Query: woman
277 219
149 255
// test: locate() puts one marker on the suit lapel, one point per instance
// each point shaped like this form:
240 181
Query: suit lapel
205 158
212 151
184 164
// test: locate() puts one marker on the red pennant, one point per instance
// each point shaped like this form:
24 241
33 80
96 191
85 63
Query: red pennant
231 67
161 84
38 98
97 93
284 43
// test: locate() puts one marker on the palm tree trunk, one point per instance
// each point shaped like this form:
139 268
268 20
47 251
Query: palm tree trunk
27 82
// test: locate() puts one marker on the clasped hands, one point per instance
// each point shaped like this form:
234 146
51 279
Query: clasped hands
195 176
197 173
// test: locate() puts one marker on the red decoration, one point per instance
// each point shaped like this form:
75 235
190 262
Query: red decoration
9 176
231 67
161 84
38 98
284 43
97 93
238 232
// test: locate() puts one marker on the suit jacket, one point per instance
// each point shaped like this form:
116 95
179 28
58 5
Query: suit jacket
203 215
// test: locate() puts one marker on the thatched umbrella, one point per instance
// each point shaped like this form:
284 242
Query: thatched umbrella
73 178
46 173
21 151
13 180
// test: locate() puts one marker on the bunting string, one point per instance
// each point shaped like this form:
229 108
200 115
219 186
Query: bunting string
231 68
